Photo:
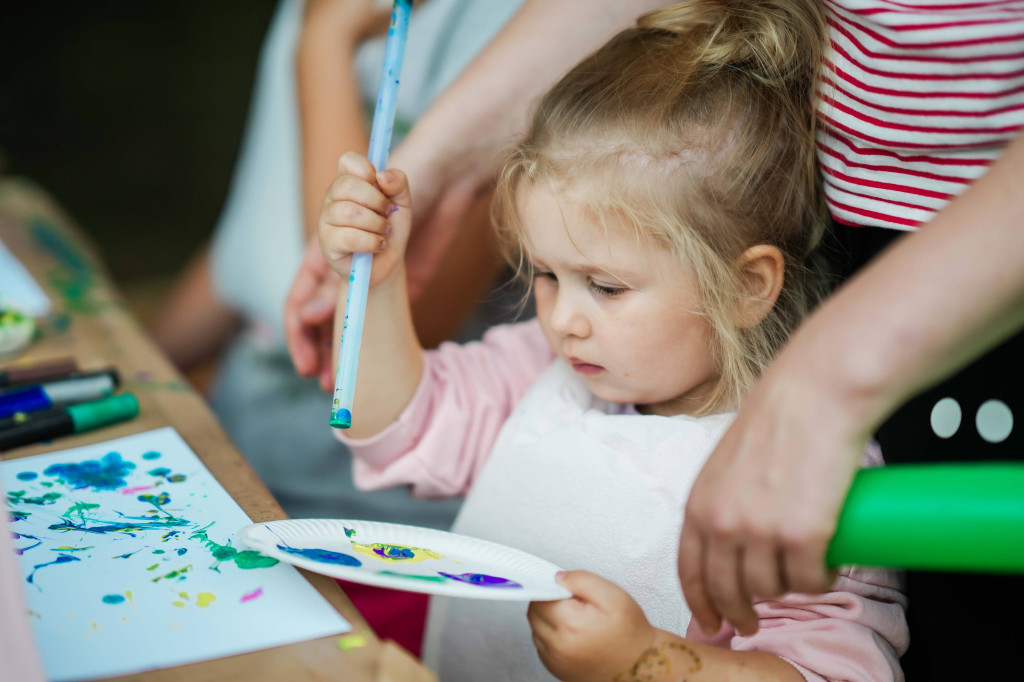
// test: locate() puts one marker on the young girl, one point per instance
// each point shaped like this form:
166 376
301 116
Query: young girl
664 204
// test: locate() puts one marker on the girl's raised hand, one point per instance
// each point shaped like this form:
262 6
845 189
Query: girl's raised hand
365 211
598 634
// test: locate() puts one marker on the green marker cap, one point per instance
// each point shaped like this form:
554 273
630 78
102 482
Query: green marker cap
103 412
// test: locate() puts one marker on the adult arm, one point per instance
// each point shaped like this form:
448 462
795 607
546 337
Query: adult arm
330 103
764 508
452 153
19 659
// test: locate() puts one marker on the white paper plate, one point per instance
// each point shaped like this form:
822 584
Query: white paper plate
407 558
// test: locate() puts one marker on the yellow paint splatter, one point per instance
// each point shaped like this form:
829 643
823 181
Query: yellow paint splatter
204 599
94 625
128 596
179 604
183 595
398 554
351 642
124 618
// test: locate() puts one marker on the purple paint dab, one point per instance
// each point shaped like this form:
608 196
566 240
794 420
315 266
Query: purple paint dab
482 580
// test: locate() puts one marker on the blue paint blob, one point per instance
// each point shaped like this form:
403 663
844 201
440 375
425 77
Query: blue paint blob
482 580
106 474
27 476
394 552
159 471
181 551
324 556
113 599
151 455
158 551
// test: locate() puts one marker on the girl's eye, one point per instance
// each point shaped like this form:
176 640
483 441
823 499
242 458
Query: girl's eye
605 290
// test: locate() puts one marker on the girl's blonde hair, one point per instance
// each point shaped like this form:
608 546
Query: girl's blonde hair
696 128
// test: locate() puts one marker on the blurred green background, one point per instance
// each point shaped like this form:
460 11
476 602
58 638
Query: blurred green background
130 114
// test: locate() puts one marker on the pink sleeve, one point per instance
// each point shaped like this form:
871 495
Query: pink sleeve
446 432
18 658
855 632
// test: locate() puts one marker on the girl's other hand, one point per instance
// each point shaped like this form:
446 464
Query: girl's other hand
596 635
368 212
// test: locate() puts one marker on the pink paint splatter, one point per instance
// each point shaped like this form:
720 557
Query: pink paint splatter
255 594
132 491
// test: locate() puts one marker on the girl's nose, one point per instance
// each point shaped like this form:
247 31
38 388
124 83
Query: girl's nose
568 317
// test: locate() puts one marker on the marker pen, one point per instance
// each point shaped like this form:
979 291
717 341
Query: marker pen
27 374
33 427
52 394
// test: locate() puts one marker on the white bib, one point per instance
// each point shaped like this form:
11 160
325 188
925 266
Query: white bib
574 482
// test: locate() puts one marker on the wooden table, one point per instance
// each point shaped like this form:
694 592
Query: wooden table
92 325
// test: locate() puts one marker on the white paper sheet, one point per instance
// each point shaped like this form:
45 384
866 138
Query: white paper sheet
18 289
130 559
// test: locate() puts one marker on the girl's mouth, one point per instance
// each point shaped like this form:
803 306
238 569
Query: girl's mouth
585 368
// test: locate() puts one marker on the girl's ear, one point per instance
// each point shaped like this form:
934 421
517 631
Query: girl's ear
761 269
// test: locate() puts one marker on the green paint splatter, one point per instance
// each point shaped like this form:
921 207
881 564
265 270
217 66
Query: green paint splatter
79 509
19 497
177 573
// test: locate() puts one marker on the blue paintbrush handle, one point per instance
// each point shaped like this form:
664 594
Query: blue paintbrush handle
359 276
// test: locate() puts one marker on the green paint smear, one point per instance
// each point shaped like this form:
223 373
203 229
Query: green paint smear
431 578
246 559
73 277
46 498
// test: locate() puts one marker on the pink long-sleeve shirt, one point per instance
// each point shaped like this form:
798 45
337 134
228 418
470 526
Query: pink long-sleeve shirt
444 438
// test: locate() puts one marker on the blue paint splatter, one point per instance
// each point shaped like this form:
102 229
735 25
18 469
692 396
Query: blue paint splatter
27 476
159 471
61 559
324 556
349 532
113 599
394 552
181 551
481 579
106 474
151 455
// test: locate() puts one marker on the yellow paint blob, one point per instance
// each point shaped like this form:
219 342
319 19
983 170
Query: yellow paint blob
179 604
204 599
396 554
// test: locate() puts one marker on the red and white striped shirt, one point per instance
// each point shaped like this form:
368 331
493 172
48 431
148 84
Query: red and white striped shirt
917 98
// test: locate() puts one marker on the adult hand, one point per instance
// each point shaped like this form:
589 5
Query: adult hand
309 316
763 509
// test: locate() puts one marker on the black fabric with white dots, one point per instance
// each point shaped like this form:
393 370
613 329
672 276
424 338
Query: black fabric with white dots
962 627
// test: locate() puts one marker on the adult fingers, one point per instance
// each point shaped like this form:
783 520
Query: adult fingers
691 577
804 560
724 578
299 337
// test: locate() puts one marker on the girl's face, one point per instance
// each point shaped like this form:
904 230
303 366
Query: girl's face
621 312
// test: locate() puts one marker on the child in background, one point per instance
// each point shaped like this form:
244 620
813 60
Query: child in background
665 206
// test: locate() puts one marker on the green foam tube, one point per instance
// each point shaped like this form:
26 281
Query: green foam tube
934 517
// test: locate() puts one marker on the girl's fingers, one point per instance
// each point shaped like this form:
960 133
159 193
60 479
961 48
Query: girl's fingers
395 185
348 214
342 242
351 188
354 163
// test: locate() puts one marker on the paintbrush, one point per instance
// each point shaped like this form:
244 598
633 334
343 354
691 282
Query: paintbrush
359 275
